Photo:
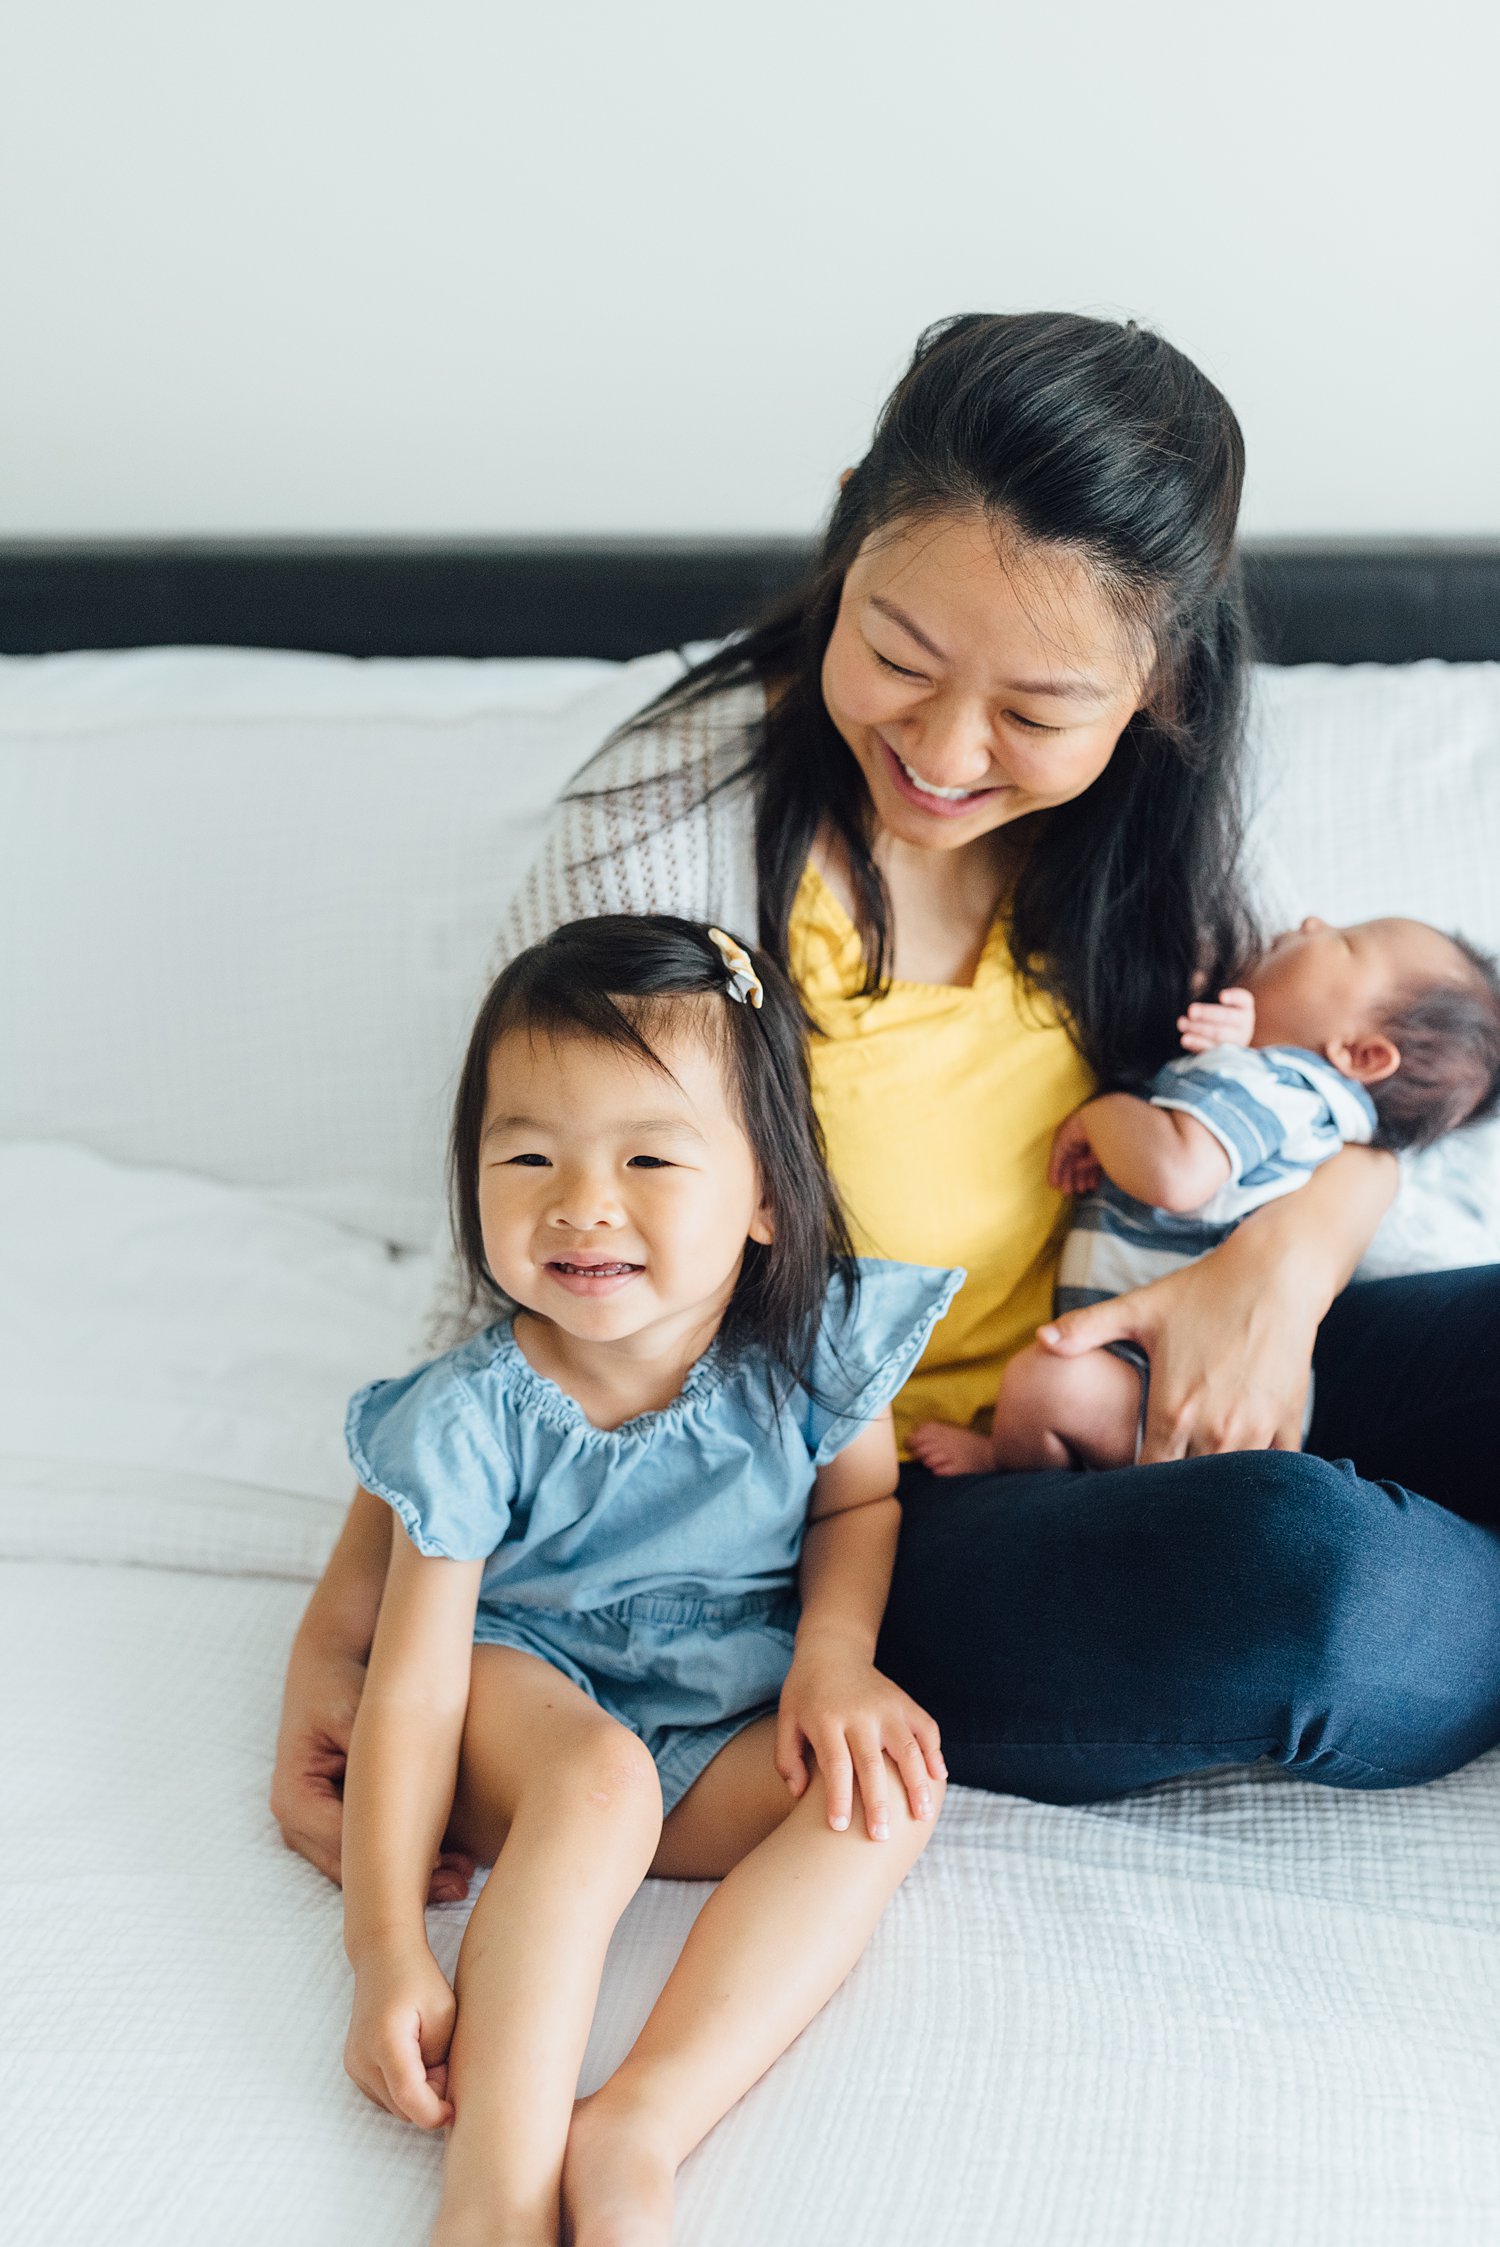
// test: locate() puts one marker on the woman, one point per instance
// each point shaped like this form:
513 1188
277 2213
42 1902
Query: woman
975 786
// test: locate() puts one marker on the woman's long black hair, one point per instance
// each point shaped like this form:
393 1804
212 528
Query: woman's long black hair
1099 440
624 979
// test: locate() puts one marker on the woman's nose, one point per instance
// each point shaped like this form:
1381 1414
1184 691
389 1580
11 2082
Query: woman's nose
955 748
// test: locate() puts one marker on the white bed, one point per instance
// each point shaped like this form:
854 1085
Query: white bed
243 907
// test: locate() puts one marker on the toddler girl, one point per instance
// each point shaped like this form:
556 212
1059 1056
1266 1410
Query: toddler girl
590 1663
1386 1032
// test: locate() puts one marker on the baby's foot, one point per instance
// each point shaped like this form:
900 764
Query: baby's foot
617 2180
952 1451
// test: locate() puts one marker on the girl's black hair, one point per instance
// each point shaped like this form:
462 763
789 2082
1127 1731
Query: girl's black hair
623 979
1095 439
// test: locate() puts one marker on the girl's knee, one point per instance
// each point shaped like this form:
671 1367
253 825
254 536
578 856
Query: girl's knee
604 1780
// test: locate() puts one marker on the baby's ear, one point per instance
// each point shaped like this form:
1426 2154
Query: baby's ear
1368 1060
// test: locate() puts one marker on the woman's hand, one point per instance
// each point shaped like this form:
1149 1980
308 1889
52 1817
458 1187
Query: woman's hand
397 2047
324 1681
1230 1338
838 1704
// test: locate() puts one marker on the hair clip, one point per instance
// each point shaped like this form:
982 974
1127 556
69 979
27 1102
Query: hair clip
744 983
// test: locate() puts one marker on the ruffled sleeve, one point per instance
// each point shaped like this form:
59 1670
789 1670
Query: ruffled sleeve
866 1350
430 1445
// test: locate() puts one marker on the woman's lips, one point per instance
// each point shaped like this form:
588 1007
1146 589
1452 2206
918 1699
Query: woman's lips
939 807
592 1278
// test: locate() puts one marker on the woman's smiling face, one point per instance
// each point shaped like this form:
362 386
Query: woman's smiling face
975 680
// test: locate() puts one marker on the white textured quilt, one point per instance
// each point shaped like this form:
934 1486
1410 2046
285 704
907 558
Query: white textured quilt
1239 2011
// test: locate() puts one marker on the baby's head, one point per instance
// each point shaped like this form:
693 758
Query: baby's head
1409 1013
634 1144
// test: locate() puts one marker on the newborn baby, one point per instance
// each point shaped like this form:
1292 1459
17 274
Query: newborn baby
1387 1032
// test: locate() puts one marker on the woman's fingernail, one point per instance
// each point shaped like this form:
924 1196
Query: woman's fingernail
882 1832
838 1824
1046 1333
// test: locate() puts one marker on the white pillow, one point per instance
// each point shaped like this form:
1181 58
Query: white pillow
166 1338
247 900
1376 789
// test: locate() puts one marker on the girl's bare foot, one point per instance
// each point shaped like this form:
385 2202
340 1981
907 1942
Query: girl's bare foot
618 2177
952 1451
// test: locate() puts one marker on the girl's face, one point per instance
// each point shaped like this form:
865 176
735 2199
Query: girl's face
974 680
616 1200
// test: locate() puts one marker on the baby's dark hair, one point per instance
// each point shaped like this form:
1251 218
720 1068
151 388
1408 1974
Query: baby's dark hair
624 979
1448 1036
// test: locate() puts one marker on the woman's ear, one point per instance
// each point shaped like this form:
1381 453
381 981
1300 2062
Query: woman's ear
1368 1060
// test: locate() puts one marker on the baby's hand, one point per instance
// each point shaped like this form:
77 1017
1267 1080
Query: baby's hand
1073 1167
397 2048
838 1704
1231 1022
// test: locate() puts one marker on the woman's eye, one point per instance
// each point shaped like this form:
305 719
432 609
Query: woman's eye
1030 725
885 662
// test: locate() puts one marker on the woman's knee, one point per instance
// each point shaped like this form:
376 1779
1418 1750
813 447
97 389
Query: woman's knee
1376 1612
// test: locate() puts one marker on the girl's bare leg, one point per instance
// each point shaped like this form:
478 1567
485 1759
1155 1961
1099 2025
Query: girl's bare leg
766 1953
565 1803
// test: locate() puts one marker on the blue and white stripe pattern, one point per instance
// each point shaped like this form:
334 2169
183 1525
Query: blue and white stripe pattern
1277 1111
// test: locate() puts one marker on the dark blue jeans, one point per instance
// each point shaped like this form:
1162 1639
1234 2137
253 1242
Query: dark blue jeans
1338 1609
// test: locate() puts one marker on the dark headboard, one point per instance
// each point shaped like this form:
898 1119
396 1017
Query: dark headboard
1314 600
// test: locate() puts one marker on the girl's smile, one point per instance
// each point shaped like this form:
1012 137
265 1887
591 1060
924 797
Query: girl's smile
616 1199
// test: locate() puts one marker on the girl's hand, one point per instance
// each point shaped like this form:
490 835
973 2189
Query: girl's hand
324 1681
838 1704
1073 1167
1231 1022
397 2047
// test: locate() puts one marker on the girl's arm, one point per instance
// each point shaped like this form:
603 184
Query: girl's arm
1230 1338
835 1701
403 1766
325 1677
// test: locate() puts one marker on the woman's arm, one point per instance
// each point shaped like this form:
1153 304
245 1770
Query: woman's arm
1230 1338
835 1701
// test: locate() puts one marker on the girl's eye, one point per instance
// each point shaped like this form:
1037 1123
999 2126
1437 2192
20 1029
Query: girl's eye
532 1162
886 664
648 1162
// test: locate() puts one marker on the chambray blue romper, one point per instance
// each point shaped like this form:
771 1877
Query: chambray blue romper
653 1564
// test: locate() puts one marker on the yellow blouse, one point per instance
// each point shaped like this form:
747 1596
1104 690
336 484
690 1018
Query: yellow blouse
939 1103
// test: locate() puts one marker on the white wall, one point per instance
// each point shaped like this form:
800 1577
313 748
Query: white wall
453 265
